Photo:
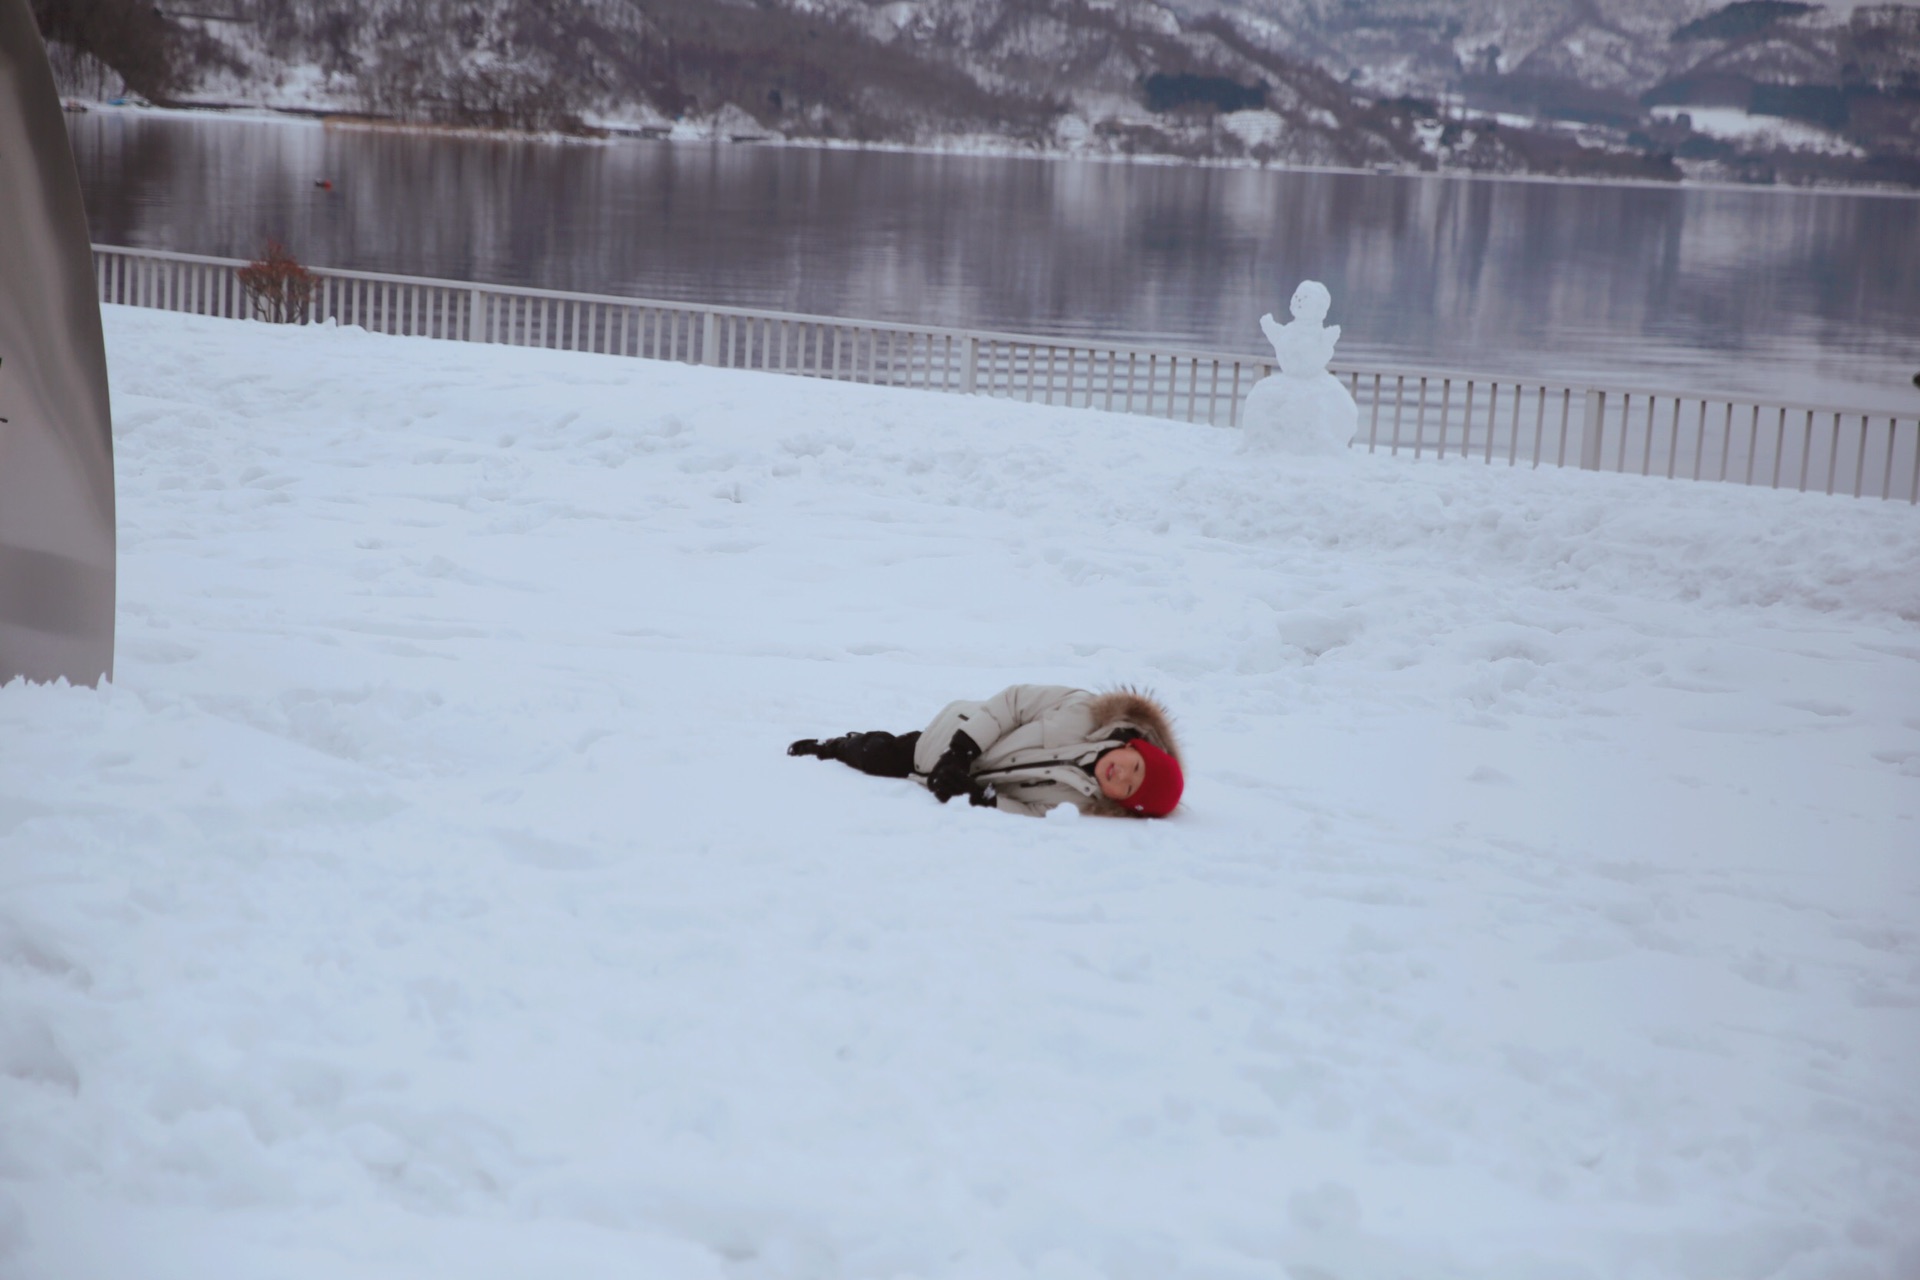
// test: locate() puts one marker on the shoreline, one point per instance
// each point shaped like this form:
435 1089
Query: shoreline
618 134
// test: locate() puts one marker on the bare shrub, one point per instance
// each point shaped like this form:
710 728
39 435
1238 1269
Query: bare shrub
280 289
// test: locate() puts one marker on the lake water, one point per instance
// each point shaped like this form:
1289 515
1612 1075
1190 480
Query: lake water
1781 294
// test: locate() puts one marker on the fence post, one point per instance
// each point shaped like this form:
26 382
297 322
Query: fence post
1591 418
710 340
473 315
969 362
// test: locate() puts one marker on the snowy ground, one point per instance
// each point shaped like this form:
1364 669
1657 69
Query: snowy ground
429 895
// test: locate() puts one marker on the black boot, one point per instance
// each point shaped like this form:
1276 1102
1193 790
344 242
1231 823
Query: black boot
883 754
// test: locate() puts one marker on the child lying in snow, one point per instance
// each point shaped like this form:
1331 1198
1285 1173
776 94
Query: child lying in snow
1028 749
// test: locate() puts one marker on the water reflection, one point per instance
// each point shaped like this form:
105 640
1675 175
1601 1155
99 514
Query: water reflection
1814 297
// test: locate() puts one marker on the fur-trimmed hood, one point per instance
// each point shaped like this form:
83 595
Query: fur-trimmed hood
1128 707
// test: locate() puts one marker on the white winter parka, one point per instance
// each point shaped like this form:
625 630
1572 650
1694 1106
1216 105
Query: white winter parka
1038 743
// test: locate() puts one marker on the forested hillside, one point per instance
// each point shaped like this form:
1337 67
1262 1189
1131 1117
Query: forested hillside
1757 89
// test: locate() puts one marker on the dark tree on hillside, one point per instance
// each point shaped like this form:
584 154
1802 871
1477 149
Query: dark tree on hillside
1740 19
1216 93
131 36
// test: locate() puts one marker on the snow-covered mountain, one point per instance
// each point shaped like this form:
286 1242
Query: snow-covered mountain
1124 76
1557 86
1427 46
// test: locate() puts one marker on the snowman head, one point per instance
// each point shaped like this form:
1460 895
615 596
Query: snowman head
1311 301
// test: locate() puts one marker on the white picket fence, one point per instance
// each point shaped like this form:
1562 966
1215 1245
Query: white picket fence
1483 417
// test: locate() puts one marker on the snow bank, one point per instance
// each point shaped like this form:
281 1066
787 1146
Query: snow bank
429 894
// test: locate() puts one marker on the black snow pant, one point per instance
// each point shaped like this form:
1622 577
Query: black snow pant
882 754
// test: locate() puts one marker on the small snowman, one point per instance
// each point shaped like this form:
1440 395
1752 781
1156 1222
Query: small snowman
1303 409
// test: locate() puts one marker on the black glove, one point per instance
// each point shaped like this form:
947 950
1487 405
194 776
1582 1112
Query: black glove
984 796
804 747
953 774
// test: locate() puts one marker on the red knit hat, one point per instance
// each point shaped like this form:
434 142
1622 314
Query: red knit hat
1161 787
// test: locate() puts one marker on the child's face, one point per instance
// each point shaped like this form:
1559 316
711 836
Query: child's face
1120 773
